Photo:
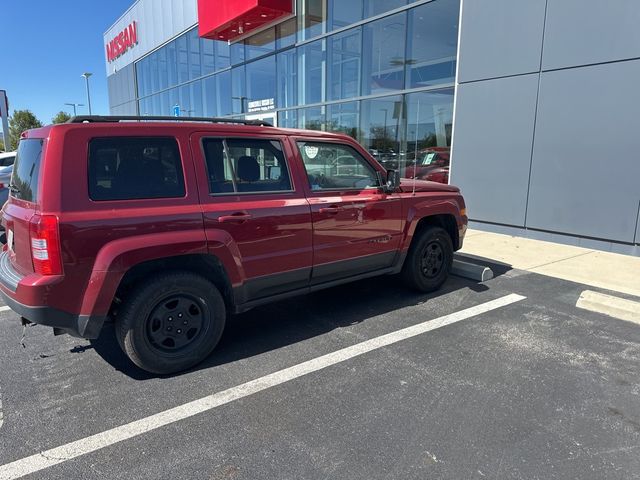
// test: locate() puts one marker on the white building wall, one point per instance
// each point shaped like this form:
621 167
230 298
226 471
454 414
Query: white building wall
158 21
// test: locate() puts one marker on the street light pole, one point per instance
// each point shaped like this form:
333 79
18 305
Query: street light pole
386 111
86 76
242 100
74 105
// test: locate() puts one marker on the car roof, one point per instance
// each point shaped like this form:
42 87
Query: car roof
7 154
225 128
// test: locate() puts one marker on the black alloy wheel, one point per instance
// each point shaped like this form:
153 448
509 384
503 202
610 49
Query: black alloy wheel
429 260
176 322
171 322
433 260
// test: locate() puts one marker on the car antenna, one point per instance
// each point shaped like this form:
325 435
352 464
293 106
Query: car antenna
415 155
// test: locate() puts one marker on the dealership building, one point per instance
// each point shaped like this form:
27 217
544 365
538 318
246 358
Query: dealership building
537 100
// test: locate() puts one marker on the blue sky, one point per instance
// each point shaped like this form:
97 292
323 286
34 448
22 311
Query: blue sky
46 45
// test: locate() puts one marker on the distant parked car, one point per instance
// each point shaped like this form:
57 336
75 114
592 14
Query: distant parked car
7 159
6 167
432 164
5 180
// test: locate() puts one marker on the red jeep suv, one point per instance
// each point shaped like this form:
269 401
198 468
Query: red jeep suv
166 227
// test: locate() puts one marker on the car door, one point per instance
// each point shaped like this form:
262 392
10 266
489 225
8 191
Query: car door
252 200
356 226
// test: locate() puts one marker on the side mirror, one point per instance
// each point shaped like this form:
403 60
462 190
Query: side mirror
393 181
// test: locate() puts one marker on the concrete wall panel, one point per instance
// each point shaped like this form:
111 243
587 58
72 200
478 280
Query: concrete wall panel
582 33
638 226
492 146
500 38
585 172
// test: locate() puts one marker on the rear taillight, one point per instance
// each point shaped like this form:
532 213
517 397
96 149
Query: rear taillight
45 245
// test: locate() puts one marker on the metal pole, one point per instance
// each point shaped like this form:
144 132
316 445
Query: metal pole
4 113
86 76
384 138
74 105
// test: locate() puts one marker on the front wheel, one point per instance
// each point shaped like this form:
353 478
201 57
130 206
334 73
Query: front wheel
429 260
171 323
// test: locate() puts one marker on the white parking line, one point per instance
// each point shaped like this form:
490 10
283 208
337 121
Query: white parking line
2 309
72 450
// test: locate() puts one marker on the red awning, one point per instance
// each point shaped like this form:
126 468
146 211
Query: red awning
230 19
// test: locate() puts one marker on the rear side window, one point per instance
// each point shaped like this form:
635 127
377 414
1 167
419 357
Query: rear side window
129 168
246 166
26 170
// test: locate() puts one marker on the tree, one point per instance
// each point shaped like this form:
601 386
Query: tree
60 117
380 139
20 121
1 146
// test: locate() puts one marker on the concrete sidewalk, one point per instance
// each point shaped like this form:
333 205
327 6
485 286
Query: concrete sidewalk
610 271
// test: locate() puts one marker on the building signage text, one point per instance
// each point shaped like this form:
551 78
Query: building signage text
262 105
126 39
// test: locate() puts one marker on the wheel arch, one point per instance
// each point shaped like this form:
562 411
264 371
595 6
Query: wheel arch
446 221
205 265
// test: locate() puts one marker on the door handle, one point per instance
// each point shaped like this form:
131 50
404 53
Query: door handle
332 210
235 218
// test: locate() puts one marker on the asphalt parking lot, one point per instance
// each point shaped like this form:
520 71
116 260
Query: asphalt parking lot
536 388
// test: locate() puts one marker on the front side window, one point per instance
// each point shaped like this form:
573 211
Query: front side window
331 166
129 168
246 166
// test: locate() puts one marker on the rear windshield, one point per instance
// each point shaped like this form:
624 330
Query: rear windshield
26 170
127 168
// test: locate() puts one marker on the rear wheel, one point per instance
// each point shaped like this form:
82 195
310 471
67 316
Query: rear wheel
429 260
171 322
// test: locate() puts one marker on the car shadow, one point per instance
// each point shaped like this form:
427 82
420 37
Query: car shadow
294 320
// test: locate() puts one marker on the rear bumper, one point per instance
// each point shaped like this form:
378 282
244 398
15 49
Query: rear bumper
25 296
83 326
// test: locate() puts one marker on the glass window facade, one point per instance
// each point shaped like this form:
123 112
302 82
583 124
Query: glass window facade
352 67
343 13
345 50
312 60
260 44
261 80
432 44
383 57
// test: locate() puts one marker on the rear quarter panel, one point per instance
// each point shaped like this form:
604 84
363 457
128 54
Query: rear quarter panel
101 240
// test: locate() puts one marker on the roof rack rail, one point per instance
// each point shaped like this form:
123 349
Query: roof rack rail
115 119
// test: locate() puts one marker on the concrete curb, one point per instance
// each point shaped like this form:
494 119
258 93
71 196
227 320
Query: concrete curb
620 308
479 273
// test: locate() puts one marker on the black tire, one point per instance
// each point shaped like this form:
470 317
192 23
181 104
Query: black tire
429 260
171 322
